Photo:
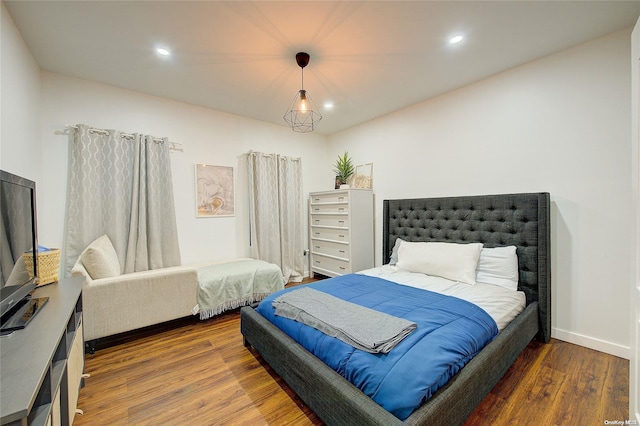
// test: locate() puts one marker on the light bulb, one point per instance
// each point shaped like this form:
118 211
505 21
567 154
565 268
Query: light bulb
456 39
303 100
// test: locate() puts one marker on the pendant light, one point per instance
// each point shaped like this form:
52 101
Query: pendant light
301 117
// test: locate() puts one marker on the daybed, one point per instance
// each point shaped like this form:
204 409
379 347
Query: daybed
521 220
115 303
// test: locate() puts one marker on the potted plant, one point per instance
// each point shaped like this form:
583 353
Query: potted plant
344 170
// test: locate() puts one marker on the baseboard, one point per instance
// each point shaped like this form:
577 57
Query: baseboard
592 343
129 336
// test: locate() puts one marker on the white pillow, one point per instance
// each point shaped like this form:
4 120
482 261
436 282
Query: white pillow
498 266
394 253
457 262
100 259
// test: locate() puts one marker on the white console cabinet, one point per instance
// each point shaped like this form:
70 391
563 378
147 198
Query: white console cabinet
341 231
41 366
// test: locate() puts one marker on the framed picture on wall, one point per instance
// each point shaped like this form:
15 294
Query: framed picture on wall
363 177
215 196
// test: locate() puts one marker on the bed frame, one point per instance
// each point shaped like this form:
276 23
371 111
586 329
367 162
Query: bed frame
522 220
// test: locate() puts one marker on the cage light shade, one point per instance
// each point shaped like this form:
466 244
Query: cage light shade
301 116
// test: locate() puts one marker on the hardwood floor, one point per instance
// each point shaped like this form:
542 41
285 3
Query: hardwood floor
200 374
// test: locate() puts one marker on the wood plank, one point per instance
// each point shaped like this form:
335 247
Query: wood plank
559 384
199 373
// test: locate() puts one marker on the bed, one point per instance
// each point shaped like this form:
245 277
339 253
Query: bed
522 220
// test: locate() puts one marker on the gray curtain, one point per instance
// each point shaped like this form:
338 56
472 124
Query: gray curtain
120 185
276 212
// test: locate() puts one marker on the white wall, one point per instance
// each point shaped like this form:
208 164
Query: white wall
208 136
560 125
634 361
20 103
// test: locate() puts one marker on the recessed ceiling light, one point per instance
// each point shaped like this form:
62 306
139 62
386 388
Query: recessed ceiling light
328 105
162 51
456 39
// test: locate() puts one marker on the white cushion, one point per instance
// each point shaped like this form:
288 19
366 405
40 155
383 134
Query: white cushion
498 266
457 262
100 259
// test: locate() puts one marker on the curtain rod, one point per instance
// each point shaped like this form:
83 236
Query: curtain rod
173 146
270 155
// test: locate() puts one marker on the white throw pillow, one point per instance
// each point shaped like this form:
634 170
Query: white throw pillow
457 262
498 266
100 259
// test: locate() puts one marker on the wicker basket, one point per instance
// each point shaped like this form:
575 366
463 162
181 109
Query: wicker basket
48 265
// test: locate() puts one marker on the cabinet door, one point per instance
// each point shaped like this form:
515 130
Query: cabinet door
75 368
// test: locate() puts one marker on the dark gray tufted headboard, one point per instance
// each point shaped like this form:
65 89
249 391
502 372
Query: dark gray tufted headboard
522 220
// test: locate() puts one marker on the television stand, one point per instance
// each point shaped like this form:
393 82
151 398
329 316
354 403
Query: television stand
42 364
21 314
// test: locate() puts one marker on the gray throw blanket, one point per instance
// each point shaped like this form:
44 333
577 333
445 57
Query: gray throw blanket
363 328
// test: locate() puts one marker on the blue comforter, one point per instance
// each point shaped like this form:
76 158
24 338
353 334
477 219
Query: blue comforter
450 332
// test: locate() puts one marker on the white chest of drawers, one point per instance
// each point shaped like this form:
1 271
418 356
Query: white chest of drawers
341 231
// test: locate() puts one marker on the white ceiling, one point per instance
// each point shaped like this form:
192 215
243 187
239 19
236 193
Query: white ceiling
367 58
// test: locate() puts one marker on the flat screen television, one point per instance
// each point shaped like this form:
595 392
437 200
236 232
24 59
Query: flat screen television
18 239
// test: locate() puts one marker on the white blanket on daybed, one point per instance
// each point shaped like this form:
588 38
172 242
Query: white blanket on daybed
229 285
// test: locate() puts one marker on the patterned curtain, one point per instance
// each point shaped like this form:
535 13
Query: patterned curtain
120 184
276 212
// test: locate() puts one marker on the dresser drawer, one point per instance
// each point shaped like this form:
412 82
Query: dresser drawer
329 265
330 220
330 197
342 208
332 234
329 248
